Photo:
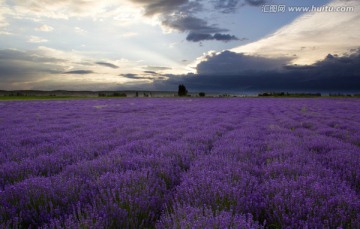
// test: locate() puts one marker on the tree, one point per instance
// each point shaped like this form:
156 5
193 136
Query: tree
202 94
182 90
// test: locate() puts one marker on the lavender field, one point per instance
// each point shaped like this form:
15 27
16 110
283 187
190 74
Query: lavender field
180 163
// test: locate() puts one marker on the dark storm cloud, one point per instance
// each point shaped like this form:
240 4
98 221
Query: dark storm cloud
198 29
18 67
79 72
160 6
8 54
180 15
225 37
11 71
166 7
335 68
189 7
230 71
199 37
14 55
195 37
230 6
255 2
231 63
189 23
107 65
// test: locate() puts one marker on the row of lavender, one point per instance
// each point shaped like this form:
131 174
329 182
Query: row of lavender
180 163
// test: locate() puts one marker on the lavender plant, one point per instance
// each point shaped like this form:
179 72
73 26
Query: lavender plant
180 163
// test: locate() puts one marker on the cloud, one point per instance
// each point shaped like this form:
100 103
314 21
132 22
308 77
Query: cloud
146 75
26 69
155 75
255 2
62 9
121 13
230 6
130 76
168 6
151 72
136 77
231 63
189 23
198 29
225 37
44 28
5 33
20 68
156 68
35 39
3 21
129 34
79 72
312 36
80 30
223 72
3 11
107 65
179 15
36 57
229 71
204 36
226 6
44 68
159 6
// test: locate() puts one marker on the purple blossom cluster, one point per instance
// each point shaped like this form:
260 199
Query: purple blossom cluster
180 163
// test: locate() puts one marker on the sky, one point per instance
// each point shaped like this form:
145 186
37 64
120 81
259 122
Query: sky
213 45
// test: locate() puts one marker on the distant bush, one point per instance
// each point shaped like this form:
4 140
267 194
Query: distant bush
339 95
115 94
287 94
118 94
182 90
202 94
